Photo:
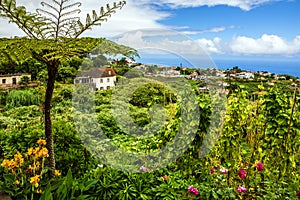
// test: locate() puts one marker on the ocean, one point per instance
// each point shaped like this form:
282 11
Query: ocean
276 67
290 67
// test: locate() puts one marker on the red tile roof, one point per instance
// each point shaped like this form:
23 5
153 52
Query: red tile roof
98 73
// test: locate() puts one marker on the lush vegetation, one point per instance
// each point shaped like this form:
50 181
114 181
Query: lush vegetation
255 157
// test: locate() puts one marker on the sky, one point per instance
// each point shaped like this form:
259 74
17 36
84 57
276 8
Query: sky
215 29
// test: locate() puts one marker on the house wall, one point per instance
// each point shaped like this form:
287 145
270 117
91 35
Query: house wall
7 80
104 83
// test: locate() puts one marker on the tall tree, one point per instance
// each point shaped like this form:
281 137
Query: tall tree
52 37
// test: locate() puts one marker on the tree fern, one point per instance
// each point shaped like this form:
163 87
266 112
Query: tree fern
52 31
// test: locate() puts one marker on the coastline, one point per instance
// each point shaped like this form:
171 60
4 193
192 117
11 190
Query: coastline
281 67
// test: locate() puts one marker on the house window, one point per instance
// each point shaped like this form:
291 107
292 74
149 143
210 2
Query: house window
108 80
76 81
108 87
101 88
3 81
109 72
14 81
101 80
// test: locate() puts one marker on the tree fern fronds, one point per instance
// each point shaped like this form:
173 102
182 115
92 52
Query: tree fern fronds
40 11
76 11
47 5
26 21
78 4
104 15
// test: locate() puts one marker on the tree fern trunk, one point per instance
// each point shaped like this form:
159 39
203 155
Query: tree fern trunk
52 70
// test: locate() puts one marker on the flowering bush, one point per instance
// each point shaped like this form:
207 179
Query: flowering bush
143 169
193 190
242 173
25 172
241 189
223 170
260 166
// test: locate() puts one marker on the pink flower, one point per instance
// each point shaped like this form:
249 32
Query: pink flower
241 189
242 173
165 177
143 169
223 170
298 194
259 166
193 190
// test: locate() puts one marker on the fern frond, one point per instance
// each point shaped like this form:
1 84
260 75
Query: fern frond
78 4
77 11
47 5
97 20
40 11
26 21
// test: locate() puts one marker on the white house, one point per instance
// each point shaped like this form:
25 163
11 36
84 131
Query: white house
12 79
98 79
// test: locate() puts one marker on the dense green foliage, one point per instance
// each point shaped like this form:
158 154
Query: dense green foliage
264 129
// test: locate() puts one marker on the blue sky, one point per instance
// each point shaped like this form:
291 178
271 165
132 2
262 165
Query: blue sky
224 29
280 18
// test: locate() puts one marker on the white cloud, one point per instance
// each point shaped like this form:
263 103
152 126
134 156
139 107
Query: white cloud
136 14
211 46
211 30
266 44
241 45
242 4
131 17
161 39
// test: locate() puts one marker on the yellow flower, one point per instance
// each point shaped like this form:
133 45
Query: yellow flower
35 180
5 163
30 168
17 182
39 191
36 152
37 164
18 156
30 151
12 164
41 142
43 152
57 173
21 161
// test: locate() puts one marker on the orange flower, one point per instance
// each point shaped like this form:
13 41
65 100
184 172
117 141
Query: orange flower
57 173
35 180
41 142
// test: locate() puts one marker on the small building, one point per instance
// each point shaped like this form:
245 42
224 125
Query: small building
193 75
12 79
97 79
